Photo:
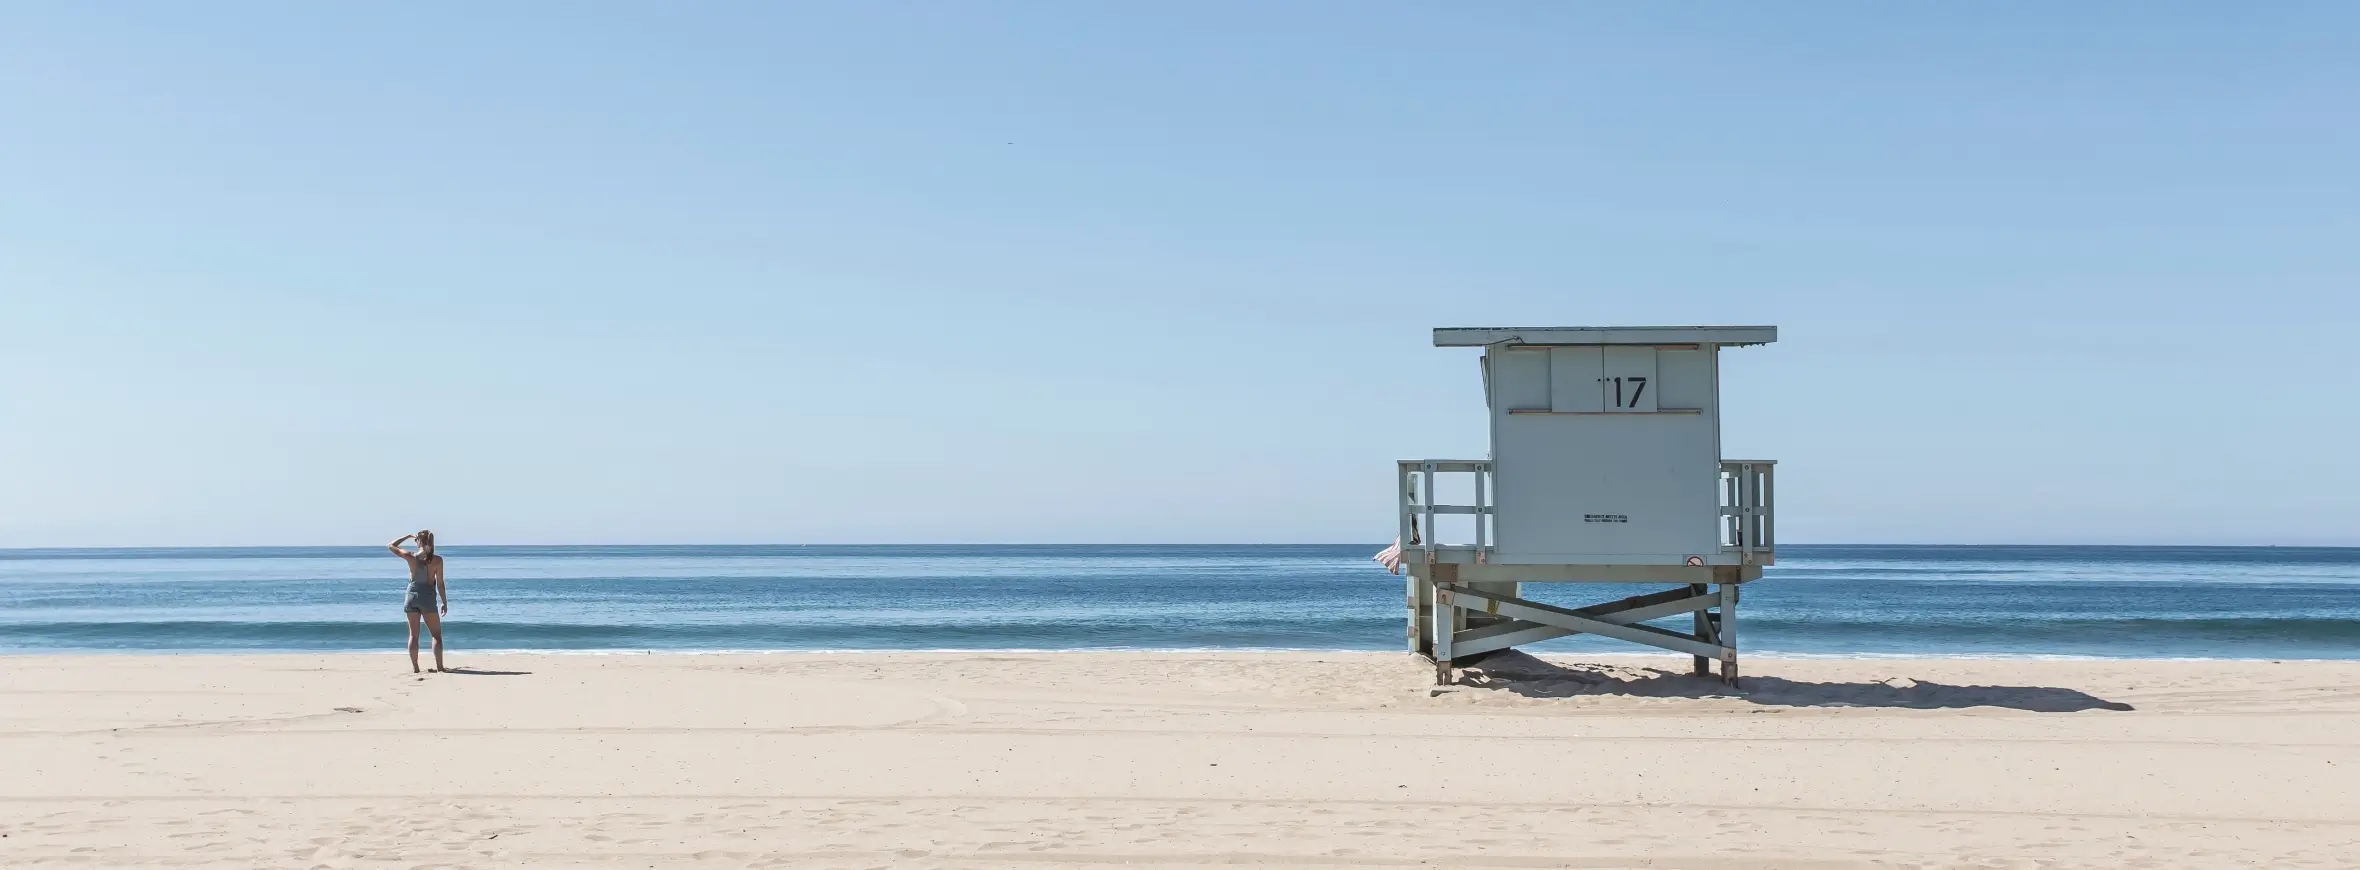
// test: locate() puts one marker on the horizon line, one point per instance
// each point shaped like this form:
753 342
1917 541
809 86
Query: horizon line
1377 544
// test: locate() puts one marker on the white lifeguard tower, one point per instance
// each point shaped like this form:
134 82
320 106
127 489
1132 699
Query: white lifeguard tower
1605 467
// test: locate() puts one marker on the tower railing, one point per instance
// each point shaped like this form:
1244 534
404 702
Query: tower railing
1749 506
1748 488
1417 509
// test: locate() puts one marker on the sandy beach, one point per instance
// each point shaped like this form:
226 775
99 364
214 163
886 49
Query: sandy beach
1177 759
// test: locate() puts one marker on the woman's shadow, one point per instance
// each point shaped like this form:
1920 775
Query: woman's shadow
478 672
1522 674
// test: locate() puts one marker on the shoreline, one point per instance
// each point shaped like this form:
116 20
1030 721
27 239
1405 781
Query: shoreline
1773 656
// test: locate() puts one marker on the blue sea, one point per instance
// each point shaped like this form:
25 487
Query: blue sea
2143 602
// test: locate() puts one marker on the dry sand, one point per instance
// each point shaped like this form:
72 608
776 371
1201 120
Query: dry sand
1327 760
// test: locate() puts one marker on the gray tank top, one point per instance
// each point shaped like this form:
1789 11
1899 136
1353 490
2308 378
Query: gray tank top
422 573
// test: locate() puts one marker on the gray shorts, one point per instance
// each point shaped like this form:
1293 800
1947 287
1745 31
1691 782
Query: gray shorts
420 600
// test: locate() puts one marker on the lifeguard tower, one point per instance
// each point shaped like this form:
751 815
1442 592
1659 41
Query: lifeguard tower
1605 467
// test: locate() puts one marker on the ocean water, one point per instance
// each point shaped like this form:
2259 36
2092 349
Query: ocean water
2146 602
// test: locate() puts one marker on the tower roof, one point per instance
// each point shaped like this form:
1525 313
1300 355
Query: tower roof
1480 336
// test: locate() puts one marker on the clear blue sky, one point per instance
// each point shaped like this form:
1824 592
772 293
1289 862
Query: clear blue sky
1078 272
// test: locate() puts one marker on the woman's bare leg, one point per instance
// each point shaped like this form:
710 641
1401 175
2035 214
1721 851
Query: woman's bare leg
413 615
433 624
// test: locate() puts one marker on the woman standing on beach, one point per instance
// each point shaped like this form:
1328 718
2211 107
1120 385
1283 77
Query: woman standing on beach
426 592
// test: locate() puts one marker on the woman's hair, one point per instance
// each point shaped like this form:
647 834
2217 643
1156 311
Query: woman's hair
425 542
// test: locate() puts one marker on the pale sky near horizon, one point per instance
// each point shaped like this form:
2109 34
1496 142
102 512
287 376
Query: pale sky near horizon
1094 272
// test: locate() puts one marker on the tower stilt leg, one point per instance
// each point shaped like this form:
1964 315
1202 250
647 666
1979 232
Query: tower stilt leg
1704 629
1729 634
1445 624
